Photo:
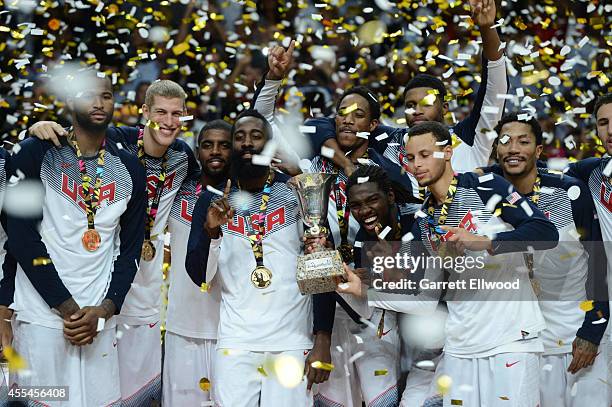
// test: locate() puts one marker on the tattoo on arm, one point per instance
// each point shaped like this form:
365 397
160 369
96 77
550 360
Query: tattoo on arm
68 308
586 346
109 307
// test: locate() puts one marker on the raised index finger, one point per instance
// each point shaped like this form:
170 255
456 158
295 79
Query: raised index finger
226 191
291 47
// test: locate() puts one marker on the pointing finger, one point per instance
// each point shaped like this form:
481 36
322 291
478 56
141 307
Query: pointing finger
226 191
291 47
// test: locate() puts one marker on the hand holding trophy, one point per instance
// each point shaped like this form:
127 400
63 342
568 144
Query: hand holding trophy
321 270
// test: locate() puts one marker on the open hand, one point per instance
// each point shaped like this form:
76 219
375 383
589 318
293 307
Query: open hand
47 130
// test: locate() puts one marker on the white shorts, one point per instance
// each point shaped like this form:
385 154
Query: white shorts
558 387
90 372
139 363
245 379
508 378
186 361
364 378
420 384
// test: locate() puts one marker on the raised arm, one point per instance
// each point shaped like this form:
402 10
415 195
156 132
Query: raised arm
488 107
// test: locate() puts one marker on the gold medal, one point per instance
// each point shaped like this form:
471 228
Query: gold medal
261 277
148 251
91 240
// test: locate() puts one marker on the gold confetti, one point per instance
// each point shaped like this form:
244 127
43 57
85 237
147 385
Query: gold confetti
15 361
204 288
428 100
205 384
151 124
455 402
349 109
382 372
504 398
178 49
41 261
586 306
444 384
261 370
322 365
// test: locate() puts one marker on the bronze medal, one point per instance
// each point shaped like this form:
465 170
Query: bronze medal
148 251
91 240
261 277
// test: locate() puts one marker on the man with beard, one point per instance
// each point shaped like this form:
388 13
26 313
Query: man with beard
77 259
571 339
190 342
169 163
486 354
425 99
251 237
596 173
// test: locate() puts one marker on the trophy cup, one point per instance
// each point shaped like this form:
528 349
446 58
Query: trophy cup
321 271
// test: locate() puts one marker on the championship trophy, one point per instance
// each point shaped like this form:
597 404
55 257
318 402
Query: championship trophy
321 271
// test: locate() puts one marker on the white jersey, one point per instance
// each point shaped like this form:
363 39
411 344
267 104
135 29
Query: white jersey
184 297
479 323
562 271
277 318
591 172
88 277
143 302
3 163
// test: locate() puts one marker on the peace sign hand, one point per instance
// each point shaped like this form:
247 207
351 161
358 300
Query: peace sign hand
279 61
219 212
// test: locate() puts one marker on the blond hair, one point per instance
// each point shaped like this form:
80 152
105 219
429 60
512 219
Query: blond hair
164 88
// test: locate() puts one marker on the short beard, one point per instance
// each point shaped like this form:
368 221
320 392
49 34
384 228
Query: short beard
83 120
240 168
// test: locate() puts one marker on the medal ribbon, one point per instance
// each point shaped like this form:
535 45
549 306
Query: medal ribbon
535 197
159 188
435 232
342 213
256 230
381 324
91 202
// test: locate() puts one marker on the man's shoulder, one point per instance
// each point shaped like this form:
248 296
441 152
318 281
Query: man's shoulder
588 165
564 182
181 146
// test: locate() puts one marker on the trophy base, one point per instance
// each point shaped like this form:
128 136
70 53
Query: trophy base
319 272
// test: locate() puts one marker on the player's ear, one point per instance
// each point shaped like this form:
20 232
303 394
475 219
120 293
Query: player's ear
444 108
373 124
145 111
448 152
539 150
391 197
